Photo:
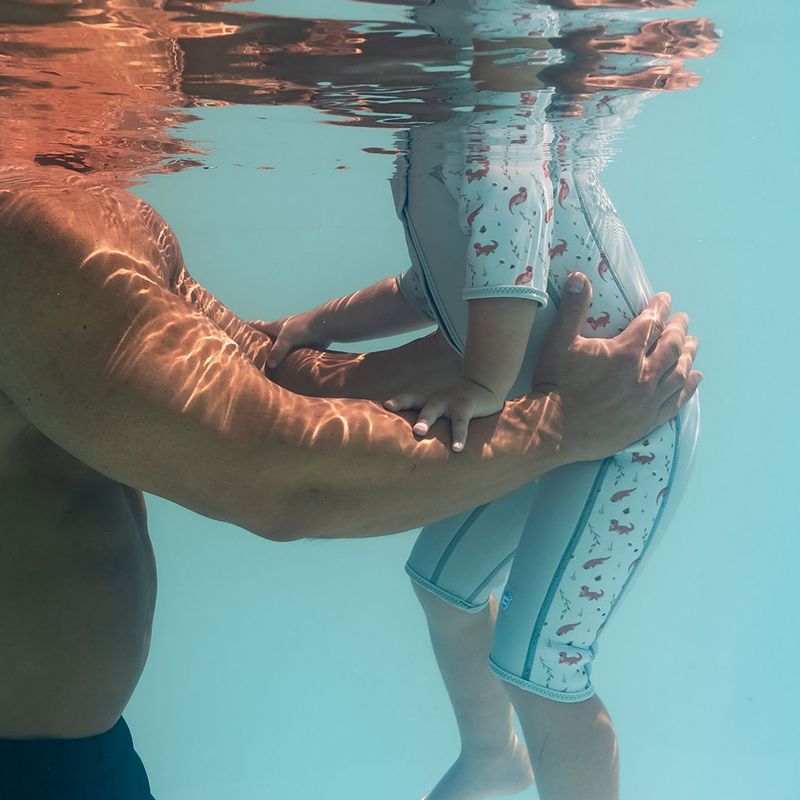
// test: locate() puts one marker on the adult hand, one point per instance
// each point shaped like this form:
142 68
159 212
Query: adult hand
612 392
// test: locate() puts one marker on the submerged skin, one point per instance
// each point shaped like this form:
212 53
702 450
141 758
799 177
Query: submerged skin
119 371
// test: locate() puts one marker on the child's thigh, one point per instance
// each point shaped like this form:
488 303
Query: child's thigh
588 235
461 558
590 527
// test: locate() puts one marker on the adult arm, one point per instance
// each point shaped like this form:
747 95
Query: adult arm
129 378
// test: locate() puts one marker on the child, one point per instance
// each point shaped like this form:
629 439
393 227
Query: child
520 203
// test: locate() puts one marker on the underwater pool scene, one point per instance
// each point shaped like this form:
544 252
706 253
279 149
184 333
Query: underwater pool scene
302 151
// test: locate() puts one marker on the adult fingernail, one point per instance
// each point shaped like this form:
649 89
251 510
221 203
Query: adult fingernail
458 445
420 428
574 284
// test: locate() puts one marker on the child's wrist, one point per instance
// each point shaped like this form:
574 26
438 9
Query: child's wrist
488 385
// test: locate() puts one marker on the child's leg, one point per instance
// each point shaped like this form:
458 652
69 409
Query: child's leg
492 762
590 529
573 748
454 565
589 236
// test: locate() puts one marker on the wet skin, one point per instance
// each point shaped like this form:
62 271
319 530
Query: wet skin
77 569
119 370
77 588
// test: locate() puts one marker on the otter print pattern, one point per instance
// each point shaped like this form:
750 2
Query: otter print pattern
587 232
503 188
569 546
582 241
575 540
593 563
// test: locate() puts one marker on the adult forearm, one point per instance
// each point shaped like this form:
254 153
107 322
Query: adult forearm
355 470
352 468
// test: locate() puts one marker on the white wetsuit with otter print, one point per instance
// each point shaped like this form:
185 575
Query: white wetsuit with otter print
502 202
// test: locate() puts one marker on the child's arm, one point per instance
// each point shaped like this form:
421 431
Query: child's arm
378 310
497 337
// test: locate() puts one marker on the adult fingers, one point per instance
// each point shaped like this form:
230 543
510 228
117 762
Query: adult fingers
675 378
431 411
668 349
645 330
672 405
571 317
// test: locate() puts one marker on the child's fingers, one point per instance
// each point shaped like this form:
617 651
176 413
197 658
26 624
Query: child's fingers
405 402
459 423
431 411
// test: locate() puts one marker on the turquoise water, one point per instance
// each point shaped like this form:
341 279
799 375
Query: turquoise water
304 670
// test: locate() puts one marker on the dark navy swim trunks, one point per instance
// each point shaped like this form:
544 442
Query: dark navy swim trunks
102 767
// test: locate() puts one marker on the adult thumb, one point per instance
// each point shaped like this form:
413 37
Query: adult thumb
575 303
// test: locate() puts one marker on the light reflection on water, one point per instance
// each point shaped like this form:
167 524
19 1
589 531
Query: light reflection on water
105 87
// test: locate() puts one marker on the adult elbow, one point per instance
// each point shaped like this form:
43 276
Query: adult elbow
275 532
280 524
294 515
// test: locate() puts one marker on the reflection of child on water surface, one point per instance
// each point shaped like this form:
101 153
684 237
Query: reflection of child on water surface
499 328
515 197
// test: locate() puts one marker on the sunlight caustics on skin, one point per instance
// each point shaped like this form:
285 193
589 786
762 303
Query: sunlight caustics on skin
214 380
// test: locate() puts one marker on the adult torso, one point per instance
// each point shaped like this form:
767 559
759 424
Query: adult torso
77 572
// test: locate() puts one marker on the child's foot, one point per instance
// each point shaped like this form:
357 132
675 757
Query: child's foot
482 776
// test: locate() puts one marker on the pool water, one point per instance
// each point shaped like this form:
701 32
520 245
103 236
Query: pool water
304 670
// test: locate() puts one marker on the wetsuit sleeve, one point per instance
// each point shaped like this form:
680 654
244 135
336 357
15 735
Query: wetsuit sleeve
506 204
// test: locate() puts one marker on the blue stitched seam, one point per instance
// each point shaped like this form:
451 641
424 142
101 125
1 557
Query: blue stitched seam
446 329
651 536
562 567
601 250
542 691
414 301
552 292
453 543
448 597
482 585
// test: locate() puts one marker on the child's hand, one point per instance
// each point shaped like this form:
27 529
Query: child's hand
297 330
460 402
